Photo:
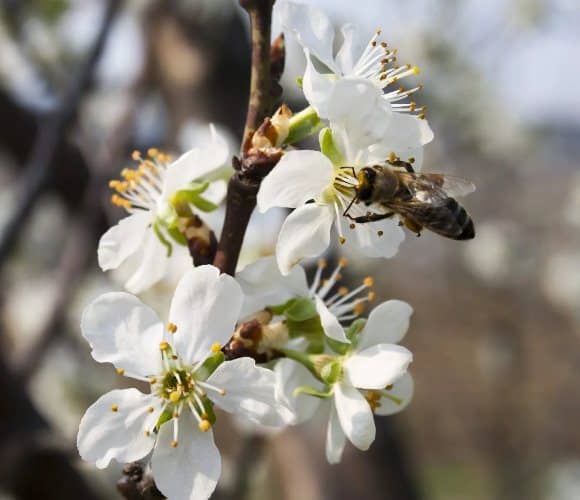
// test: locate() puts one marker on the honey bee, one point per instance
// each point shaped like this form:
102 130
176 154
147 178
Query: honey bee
422 201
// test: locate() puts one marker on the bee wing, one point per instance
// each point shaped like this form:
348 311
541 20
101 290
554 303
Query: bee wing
431 188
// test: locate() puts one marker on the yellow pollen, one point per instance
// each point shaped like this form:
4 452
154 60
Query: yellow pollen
152 380
150 409
222 392
174 444
175 414
322 263
153 152
416 70
352 226
216 347
115 408
136 155
368 281
204 416
371 296
374 399
120 371
359 308
163 346
174 396
342 290
421 116
172 327
379 31
343 262
204 425
392 156
147 433
342 240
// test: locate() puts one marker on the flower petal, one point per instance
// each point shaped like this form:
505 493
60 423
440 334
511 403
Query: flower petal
123 331
105 434
403 390
351 49
205 308
317 87
387 324
405 131
377 366
263 284
195 164
123 239
365 239
312 29
355 415
289 376
191 470
305 233
331 326
335 438
152 267
298 177
250 392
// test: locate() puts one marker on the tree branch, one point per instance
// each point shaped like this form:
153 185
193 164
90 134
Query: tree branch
244 184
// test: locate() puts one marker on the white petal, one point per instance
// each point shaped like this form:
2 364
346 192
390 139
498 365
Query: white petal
205 308
197 163
263 284
335 438
289 376
405 131
331 326
105 434
317 87
152 267
298 177
123 239
387 324
351 49
216 191
377 366
403 390
365 239
305 233
250 392
123 331
355 415
192 469
312 29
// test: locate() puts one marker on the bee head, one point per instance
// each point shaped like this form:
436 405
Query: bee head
366 181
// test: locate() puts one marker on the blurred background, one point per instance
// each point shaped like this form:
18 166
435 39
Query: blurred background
495 334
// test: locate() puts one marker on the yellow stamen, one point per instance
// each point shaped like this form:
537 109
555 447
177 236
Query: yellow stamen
204 425
120 371
163 346
174 444
215 347
343 262
359 308
172 327
150 409
175 396
115 408
368 281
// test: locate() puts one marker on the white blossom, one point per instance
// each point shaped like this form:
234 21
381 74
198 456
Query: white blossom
359 86
148 235
174 421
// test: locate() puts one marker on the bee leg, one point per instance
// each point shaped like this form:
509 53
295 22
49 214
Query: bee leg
370 217
413 226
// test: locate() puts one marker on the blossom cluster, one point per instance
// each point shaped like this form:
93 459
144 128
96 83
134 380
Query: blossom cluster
267 346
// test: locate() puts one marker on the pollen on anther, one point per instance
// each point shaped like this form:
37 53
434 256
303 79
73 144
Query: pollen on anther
153 152
136 155
114 408
171 327
371 296
216 347
342 290
342 240
147 433
120 371
359 308
150 409
368 281
152 380
176 414
204 425
222 392
352 226
174 444
174 396
343 262
322 263
163 346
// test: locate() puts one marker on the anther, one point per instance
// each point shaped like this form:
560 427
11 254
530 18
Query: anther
380 233
342 240
204 425
115 408
352 226
421 116
172 327
150 409
152 380
368 281
163 346
175 414
136 155
174 444
411 160
174 396
322 263
216 347
153 152
343 262
147 433
359 308
342 290
371 296
120 371
384 45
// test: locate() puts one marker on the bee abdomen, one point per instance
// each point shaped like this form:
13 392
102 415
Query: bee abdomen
455 224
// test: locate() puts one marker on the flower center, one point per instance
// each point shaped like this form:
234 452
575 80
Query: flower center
140 187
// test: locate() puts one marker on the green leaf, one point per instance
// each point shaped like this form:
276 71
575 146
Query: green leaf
328 148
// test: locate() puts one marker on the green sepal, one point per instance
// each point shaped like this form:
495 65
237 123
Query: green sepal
191 194
162 239
209 366
177 235
208 408
337 346
354 329
328 148
311 391
331 372
166 416
300 309
303 124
